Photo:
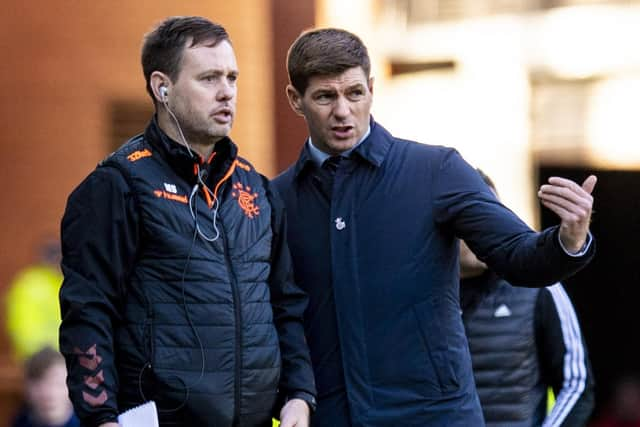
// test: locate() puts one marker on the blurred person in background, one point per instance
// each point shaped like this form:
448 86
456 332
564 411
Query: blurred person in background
177 276
46 395
374 223
523 341
32 309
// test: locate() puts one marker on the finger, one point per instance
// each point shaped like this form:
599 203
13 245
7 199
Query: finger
567 189
557 181
577 205
565 215
565 186
568 218
581 209
589 184
585 189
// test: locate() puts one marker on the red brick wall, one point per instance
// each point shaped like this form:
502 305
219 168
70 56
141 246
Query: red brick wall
62 64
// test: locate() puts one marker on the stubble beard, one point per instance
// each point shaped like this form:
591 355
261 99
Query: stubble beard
206 132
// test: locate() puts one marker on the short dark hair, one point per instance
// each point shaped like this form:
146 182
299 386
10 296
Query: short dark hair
325 52
163 47
37 365
487 180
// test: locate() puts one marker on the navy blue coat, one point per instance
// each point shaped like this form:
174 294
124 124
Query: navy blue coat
378 257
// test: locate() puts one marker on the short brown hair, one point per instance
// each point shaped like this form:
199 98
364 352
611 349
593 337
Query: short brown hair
163 47
325 52
487 180
37 365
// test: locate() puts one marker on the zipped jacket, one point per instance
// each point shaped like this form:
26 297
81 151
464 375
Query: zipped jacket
523 342
178 295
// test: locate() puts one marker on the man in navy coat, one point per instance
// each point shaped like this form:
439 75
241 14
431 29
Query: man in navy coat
373 228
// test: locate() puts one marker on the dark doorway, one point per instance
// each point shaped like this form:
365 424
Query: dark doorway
606 293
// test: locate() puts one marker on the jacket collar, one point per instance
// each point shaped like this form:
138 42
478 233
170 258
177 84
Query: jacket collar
373 149
184 163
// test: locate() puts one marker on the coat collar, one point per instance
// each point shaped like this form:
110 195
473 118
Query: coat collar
373 149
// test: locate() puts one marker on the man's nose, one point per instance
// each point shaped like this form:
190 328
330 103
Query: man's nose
226 91
341 107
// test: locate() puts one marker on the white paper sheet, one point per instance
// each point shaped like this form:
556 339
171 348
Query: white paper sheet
145 415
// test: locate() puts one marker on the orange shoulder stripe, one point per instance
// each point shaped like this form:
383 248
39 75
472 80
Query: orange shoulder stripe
243 165
224 178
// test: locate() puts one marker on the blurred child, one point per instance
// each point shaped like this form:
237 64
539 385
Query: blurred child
47 401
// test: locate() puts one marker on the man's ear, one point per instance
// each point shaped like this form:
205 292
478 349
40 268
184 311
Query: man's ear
371 85
295 100
157 80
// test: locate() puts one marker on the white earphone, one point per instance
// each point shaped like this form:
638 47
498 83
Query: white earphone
200 184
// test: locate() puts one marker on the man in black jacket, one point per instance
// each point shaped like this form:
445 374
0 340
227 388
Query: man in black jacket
178 282
523 341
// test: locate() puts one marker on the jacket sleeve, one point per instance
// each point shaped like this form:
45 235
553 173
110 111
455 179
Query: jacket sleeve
289 303
99 239
466 207
563 358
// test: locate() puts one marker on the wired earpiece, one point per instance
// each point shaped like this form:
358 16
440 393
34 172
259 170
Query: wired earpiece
200 177
163 93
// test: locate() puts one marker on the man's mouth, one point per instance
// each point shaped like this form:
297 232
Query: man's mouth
223 115
342 131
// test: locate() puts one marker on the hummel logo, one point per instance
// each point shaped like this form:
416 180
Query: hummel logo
171 196
170 188
502 311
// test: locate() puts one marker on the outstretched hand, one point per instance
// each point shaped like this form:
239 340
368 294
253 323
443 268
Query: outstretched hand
573 204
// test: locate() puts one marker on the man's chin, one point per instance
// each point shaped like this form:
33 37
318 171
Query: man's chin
220 132
342 146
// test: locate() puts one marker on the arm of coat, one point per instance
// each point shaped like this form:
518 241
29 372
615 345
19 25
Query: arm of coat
99 237
466 208
563 358
289 303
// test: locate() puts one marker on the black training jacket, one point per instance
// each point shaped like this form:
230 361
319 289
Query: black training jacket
524 341
208 325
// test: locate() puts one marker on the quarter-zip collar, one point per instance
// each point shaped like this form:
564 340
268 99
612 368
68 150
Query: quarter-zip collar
184 163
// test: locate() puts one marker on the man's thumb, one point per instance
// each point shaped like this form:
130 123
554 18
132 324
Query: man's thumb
589 183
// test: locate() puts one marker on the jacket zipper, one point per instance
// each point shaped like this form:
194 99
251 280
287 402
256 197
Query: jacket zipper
238 329
236 299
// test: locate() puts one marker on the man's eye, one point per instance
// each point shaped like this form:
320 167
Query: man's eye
324 98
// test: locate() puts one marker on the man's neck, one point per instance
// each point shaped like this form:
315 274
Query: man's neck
204 150
169 127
